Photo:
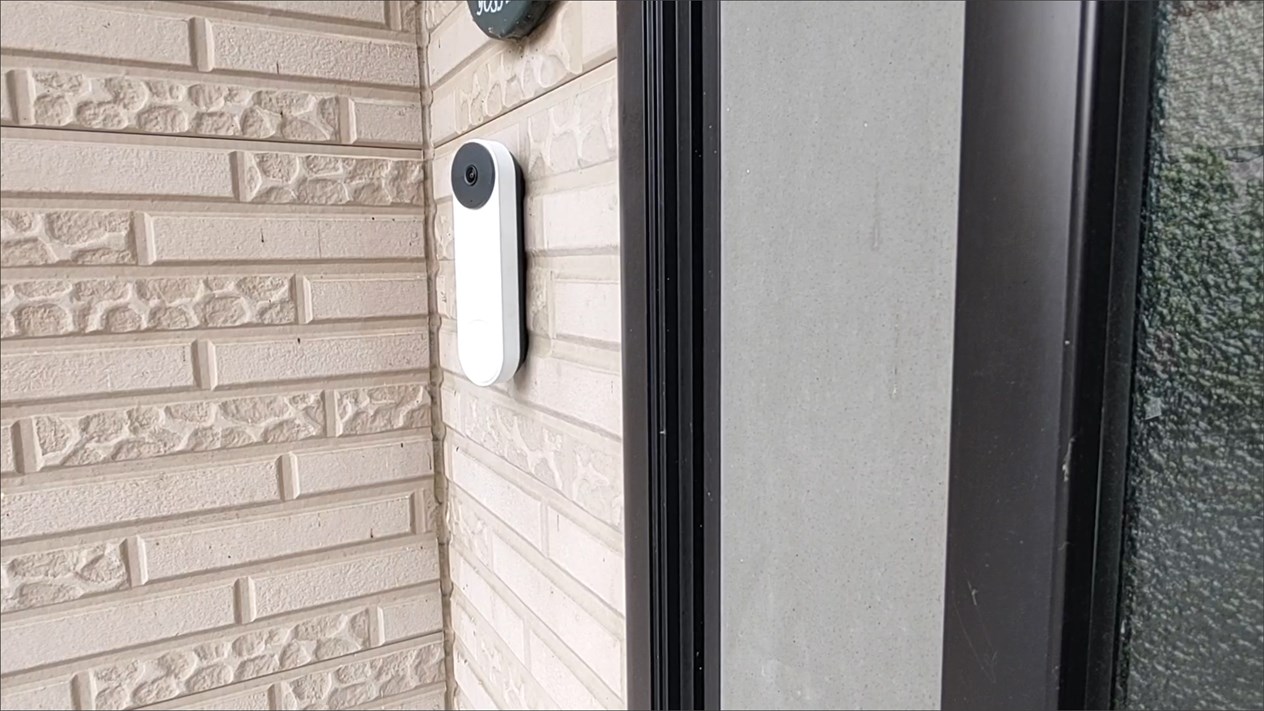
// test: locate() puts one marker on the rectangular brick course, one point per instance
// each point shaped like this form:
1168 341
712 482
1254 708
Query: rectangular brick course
215 407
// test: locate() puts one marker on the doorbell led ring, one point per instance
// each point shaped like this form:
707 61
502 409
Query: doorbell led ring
487 228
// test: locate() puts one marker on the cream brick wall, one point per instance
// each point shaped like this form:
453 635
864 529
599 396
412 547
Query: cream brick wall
215 405
533 469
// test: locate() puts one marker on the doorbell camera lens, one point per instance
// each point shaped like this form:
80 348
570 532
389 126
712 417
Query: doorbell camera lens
473 175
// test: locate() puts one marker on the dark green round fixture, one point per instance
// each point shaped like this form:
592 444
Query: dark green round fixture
508 19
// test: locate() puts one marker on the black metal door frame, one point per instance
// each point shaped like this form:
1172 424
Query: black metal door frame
1055 102
669 191
1054 130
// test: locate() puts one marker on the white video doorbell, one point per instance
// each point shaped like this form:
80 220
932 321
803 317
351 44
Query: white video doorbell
487 227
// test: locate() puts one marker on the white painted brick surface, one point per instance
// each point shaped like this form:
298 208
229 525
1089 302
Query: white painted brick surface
580 391
214 407
590 560
80 167
199 238
380 122
6 109
345 298
71 29
478 592
473 694
50 696
598 31
320 357
587 309
254 700
414 617
577 219
251 48
6 447
241 543
57 374
558 678
45 510
487 651
337 579
363 466
357 10
517 508
431 700
599 647
452 43
105 626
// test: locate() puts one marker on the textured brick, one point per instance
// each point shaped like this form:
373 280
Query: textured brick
88 504
296 358
52 695
275 537
600 648
420 614
228 660
148 431
340 579
592 476
6 451
450 44
518 509
367 679
357 298
471 693
509 75
36 237
349 468
443 238
556 676
120 102
357 10
431 700
382 409
435 11
6 110
597 31
330 180
587 558
508 624
80 167
62 307
38 579
575 219
445 290
198 238
122 624
577 130
388 123
256 49
504 671
73 29
254 700
583 392
587 309
141 141
29 376
469 525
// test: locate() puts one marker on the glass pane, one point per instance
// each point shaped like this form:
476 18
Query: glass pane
1194 567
